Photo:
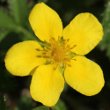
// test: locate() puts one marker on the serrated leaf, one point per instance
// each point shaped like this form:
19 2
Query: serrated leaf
6 21
3 34
19 10
41 108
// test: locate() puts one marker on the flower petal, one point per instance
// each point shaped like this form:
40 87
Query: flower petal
47 85
85 32
21 58
45 22
85 76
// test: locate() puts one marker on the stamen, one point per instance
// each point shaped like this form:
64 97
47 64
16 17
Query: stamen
73 46
38 49
74 59
44 52
57 52
46 57
39 56
68 64
67 40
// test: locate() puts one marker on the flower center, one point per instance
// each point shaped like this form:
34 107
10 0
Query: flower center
57 51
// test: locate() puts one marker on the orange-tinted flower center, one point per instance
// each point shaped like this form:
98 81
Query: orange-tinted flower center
57 51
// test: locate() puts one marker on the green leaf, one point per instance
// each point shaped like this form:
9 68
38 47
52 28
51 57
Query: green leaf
105 44
3 34
41 108
59 106
25 34
19 10
25 102
6 21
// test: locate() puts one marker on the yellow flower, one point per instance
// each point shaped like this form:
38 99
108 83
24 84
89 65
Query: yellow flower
61 57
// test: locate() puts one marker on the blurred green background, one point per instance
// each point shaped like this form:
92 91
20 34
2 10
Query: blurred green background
14 27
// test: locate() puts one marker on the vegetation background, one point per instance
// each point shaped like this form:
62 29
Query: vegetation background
14 27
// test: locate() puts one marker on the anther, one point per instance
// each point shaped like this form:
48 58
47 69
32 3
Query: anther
73 46
39 56
67 40
38 49
69 65
74 59
44 56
